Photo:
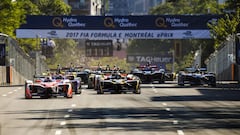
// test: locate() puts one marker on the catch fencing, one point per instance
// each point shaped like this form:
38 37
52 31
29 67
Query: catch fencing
222 62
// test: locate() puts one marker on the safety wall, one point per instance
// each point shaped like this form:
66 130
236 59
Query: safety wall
222 62
19 65
3 79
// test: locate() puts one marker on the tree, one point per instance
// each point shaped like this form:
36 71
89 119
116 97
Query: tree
53 7
111 61
12 15
183 7
188 7
224 27
65 52
41 7
232 5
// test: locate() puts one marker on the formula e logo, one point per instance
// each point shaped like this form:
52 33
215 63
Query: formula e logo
109 23
160 22
188 33
53 33
57 22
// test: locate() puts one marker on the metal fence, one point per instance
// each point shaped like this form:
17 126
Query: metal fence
22 65
222 62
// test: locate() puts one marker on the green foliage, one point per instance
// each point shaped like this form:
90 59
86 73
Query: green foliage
183 7
149 46
187 7
187 62
29 7
12 15
224 27
66 52
41 7
232 4
53 7
111 61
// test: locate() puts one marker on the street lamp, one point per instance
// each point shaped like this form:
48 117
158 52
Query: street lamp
173 59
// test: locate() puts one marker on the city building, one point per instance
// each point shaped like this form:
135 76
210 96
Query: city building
129 7
86 7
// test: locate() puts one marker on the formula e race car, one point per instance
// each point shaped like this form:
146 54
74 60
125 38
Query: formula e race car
47 88
149 74
195 77
84 75
76 83
118 83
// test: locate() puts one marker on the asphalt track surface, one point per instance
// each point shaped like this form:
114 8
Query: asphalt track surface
161 109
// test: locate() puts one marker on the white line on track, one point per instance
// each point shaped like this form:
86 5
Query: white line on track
168 109
63 123
10 92
67 116
155 91
15 90
4 95
164 104
58 132
73 105
175 122
180 132
19 88
70 110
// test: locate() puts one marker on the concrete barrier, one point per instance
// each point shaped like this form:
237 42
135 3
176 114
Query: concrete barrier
3 79
9 76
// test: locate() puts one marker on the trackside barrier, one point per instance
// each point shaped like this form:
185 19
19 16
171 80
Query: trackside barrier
19 65
3 79
223 61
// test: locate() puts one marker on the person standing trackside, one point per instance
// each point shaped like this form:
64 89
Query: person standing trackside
58 69
71 67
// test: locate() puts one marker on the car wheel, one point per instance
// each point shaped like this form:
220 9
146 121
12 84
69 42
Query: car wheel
78 91
28 97
99 89
137 90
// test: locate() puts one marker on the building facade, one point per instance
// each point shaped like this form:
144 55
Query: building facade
86 7
130 7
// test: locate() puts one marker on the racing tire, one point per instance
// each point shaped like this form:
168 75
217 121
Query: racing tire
79 91
69 97
46 95
181 84
90 86
28 97
137 90
99 90
213 85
